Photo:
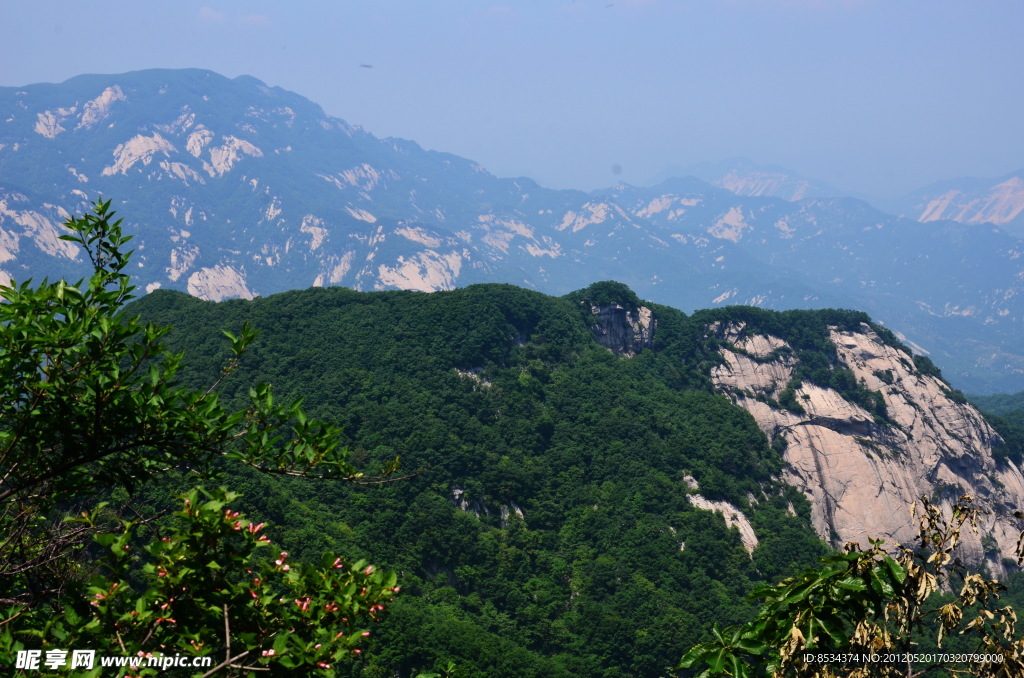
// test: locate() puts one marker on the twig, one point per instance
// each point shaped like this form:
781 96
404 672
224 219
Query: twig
227 635
226 662
10 619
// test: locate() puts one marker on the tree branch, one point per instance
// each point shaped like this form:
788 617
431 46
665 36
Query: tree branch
226 662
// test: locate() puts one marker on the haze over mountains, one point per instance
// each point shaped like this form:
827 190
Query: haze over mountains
967 200
235 189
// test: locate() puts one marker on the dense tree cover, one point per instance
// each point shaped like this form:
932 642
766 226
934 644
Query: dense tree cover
999 403
604 293
550 531
1006 415
89 410
502 396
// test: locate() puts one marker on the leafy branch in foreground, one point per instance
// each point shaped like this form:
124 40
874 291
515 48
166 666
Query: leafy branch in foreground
89 407
855 615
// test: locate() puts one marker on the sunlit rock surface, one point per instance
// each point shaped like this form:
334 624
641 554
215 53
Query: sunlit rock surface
862 475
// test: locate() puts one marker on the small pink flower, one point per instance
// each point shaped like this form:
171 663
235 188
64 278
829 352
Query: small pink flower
364 634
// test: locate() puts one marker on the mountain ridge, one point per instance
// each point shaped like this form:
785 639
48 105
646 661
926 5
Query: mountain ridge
244 189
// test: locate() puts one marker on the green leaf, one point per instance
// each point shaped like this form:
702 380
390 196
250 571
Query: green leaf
881 585
897 570
718 660
852 583
696 655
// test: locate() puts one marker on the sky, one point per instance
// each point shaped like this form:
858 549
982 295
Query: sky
876 97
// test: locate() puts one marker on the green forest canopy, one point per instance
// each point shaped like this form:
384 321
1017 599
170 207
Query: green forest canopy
501 395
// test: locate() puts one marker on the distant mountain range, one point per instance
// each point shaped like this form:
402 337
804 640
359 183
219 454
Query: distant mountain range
234 189
967 200
745 177
971 201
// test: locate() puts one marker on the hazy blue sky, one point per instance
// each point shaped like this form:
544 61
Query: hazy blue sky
871 96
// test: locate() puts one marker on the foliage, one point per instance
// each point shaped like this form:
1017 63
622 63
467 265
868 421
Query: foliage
605 293
504 396
925 366
90 408
1006 415
857 613
999 403
1010 427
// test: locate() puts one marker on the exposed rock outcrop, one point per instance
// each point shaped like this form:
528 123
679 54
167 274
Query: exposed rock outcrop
733 516
218 283
459 500
862 474
622 331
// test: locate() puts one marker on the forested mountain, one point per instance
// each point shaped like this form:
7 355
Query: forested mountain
234 189
586 501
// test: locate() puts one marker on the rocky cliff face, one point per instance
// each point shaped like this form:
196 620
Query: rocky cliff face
861 474
623 331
